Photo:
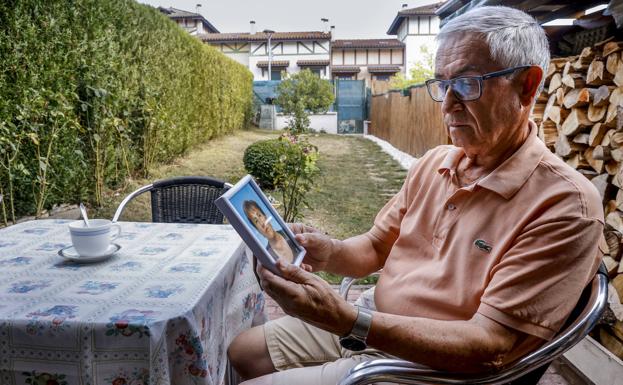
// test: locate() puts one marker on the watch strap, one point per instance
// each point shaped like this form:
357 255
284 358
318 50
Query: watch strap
362 323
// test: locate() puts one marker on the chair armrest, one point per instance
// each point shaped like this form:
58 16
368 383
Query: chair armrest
347 282
128 198
398 372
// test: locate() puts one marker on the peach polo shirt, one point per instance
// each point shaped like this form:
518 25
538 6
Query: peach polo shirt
518 246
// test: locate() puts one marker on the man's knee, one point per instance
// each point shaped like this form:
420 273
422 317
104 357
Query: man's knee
248 354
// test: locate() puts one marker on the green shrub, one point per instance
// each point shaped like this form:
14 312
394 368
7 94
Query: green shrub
96 91
294 174
260 159
286 164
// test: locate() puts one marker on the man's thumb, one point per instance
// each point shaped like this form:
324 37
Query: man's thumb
292 272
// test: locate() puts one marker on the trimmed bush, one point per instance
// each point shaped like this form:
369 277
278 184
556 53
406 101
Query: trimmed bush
95 91
287 165
260 159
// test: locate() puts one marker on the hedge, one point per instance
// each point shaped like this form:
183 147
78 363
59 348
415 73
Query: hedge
95 91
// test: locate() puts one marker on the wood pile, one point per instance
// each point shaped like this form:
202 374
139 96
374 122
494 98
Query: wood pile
580 118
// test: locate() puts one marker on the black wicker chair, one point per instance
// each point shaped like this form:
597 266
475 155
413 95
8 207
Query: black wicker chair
186 199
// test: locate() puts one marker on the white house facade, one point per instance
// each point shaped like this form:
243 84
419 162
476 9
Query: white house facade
291 51
192 22
367 59
416 27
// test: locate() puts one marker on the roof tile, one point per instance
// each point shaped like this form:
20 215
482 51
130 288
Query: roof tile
310 63
261 36
368 43
275 63
345 69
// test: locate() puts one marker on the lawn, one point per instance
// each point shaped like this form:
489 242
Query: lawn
356 180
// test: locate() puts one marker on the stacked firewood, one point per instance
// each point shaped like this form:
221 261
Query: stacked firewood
580 118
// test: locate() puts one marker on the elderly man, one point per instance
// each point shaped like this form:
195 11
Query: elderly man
484 251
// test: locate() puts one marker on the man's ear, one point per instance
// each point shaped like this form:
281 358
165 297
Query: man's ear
528 83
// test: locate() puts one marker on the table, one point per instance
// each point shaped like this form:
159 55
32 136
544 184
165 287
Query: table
161 311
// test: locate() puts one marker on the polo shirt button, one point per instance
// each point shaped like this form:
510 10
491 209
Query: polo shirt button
451 206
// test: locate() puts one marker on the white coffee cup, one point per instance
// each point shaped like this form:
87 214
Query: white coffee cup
93 241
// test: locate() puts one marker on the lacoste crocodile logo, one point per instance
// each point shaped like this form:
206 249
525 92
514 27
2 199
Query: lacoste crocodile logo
482 245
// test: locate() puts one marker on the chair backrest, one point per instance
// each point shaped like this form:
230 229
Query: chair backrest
583 318
187 199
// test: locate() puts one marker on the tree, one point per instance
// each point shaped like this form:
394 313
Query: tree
422 70
303 93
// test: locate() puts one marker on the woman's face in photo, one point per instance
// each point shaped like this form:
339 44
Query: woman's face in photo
258 219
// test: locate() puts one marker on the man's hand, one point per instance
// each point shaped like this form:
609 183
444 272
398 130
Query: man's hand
319 246
306 296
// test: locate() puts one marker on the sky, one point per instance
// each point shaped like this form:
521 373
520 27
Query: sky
353 19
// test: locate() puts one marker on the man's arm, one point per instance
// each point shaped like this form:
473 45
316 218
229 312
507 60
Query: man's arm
477 344
357 256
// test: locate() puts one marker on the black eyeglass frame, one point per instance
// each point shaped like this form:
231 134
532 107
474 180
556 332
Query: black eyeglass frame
479 78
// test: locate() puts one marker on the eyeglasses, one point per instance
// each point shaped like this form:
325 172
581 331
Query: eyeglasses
464 88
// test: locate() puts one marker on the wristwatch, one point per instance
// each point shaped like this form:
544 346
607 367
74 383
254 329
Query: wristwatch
356 339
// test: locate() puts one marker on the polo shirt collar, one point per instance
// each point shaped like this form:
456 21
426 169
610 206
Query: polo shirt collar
508 177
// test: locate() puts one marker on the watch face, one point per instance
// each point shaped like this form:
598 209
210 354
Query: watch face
352 343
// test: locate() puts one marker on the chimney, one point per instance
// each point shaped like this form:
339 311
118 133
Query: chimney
324 24
405 6
252 22
332 32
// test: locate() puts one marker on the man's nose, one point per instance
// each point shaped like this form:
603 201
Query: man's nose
450 102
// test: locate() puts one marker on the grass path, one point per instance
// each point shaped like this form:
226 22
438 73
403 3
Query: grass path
357 178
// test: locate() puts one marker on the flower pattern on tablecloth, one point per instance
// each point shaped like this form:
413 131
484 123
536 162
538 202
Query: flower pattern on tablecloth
52 319
163 291
187 267
42 378
203 253
172 237
138 376
127 266
253 303
191 355
130 322
26 286
96 287
17 261
153 250
36 230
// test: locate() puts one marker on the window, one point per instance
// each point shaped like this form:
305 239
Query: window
275 74
317 71
382 77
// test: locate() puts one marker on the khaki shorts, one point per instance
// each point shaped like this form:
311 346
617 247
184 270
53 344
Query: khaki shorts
306 355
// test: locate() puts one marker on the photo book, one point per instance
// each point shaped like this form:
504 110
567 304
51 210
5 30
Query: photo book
250 213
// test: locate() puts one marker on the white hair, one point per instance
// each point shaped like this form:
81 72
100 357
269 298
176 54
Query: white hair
514 37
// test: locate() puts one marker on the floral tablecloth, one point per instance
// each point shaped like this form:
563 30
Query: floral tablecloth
161 311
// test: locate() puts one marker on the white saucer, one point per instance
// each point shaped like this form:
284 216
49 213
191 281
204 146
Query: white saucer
71 254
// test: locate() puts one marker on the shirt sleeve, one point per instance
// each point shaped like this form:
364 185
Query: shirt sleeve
538 281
